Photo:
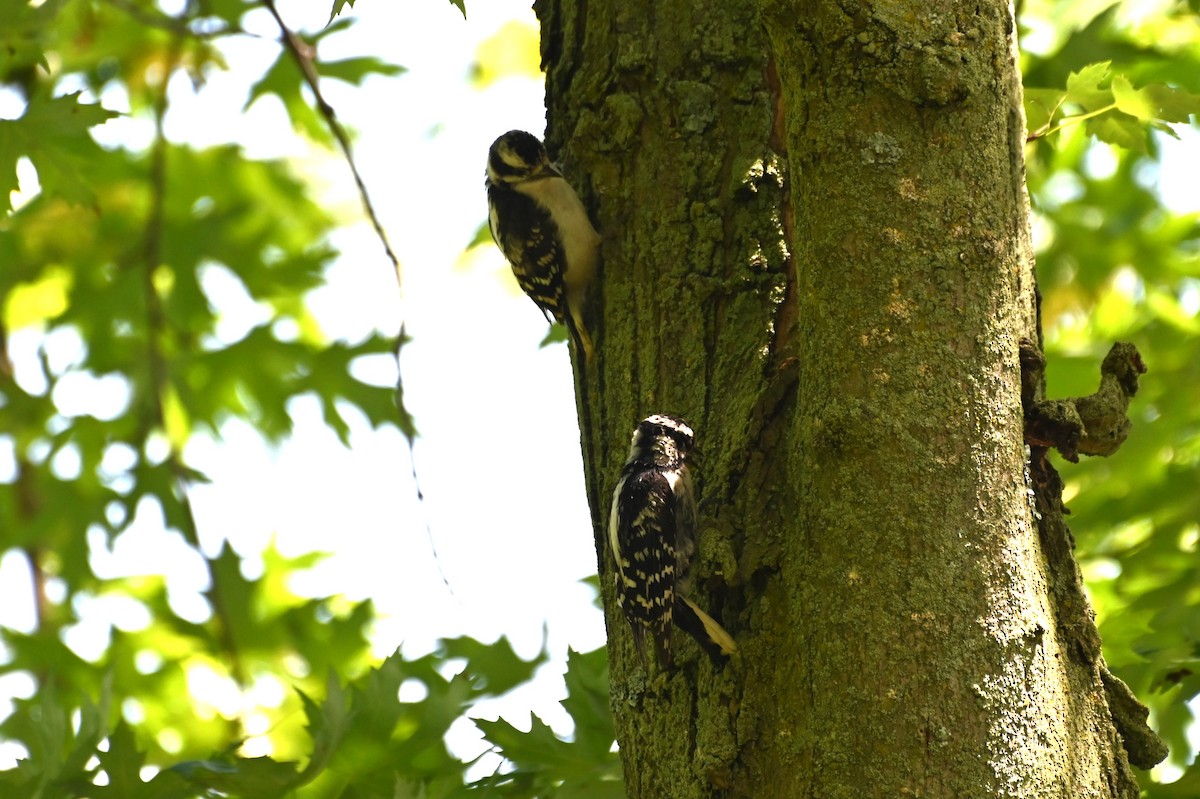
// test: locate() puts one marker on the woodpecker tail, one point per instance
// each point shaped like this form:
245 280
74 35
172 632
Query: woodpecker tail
709 634
579 336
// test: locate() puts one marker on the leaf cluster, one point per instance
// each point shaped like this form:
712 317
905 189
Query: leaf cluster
118 268
361 740
1115 112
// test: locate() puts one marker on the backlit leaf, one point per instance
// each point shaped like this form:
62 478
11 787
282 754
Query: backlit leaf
1083 86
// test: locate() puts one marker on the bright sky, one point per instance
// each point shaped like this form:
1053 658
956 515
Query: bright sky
498 456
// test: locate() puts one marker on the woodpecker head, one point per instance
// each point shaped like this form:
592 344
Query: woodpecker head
661 440
518 156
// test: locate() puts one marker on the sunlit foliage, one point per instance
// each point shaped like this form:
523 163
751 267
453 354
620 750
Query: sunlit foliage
1114 264
116 260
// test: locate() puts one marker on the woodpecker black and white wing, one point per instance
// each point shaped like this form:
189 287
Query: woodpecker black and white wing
652 534
544 231
530 242
642 538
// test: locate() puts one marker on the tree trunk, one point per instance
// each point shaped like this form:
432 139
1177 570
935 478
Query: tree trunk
816 250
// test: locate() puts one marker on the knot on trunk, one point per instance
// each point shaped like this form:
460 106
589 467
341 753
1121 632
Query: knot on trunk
1096 424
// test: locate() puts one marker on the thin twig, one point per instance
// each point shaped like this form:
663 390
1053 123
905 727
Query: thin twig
303 54
1067 121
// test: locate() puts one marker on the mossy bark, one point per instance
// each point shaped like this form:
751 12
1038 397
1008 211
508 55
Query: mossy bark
816 250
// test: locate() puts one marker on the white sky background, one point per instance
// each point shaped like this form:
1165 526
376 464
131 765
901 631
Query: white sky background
498 455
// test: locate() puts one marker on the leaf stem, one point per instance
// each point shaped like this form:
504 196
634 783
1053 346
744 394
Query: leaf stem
1070 120
302 53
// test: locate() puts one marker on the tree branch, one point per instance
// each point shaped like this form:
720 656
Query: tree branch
1096 424
302 53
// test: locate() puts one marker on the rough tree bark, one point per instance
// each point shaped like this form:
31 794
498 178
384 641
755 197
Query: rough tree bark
816 249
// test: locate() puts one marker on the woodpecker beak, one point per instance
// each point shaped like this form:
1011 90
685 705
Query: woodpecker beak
552 170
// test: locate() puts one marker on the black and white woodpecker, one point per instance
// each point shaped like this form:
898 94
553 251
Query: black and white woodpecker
652 535
541 226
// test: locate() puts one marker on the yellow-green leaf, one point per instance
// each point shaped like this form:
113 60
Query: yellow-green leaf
1083 87
1040 107
1120 130
1130 100
33 303
1171 104
512 51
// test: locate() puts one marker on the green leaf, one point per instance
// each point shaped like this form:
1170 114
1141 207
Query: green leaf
122 763
64 117
24 30
52 133
332 28
338 7
556 333
544 763
11 149
232 596
1186 787
1165 129
1167 308
354 70
1171 104
328 723
538 748
1131 100
483 235
587 700
493 669
461 5
285 80
376 697
231 11
1122 131
92 726
241 777
1083 87
1041 106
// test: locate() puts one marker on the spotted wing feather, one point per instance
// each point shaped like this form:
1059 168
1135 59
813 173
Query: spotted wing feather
644 534
530 242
